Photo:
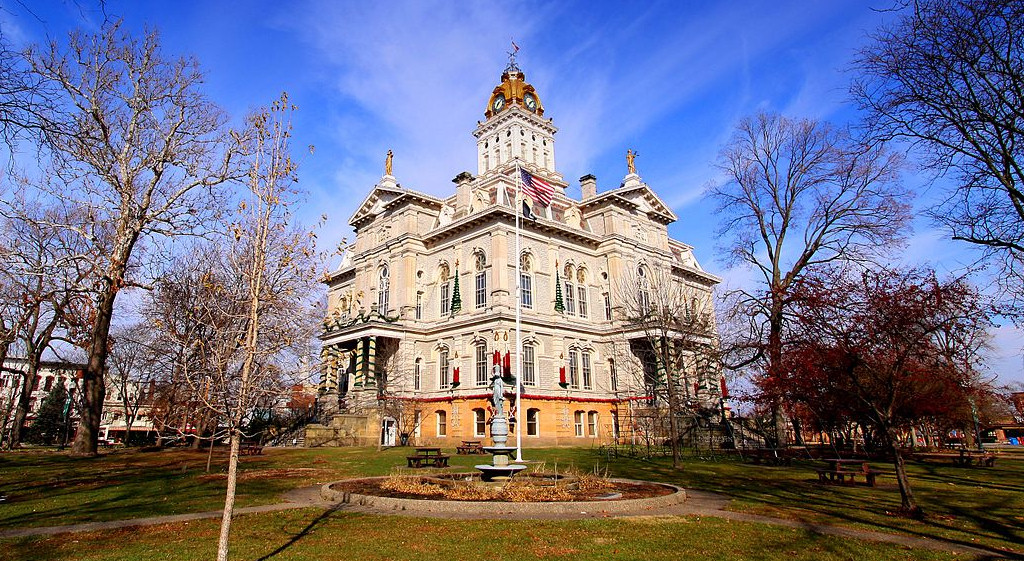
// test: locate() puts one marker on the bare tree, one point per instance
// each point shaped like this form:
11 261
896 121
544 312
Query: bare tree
136 366
267 273
949 76
43 276
799 194
677 343
138 149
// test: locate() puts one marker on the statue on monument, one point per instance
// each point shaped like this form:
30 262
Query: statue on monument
630 164
387 162
498 399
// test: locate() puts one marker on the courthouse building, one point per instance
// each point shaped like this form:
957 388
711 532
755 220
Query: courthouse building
427 293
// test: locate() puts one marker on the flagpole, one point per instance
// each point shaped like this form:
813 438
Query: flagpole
519 315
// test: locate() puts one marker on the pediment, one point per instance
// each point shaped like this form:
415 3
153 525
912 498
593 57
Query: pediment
381 198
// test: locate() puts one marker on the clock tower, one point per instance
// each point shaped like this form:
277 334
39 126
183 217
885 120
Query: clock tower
515 129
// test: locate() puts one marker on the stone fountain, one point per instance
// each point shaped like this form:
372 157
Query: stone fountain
500 467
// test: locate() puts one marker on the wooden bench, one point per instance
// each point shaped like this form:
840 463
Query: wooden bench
250 450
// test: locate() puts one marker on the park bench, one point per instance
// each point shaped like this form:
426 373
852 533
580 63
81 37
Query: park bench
835 473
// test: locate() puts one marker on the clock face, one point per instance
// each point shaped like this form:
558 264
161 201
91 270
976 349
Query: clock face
498 103
530 101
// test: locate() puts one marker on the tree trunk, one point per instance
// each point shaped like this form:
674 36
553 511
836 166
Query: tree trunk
908 505
21 410
93 387
778 431
229 499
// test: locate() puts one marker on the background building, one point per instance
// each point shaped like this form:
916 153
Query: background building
427 294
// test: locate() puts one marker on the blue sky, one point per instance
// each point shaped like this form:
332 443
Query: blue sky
669 80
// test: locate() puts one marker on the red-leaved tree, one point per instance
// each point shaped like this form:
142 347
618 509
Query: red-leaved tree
869 348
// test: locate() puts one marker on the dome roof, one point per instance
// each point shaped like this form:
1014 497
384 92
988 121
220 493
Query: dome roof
513 90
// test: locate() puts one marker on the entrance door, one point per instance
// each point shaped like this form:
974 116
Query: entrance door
388 431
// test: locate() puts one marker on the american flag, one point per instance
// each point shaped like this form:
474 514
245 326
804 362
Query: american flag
539 190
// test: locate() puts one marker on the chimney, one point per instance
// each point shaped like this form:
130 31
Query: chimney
463 185
588 185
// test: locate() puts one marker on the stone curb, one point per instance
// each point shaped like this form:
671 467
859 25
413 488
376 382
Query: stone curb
426 506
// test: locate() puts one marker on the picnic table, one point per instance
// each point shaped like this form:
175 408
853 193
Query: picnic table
772 456
470 447
250 450
427 457
962 458
835 473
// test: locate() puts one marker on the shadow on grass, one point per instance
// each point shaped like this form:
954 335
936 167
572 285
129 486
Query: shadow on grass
302 534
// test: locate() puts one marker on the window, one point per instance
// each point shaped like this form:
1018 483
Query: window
383 289
419 305
574 369
417 420
526 281
49 383
582 293
529 368
570 299
643 287
442 423
444 379
417 374
588 379
607 306
446 299
481 364
613 376
444 278
479 423
615 425
592 423
578 417
481 280
532 422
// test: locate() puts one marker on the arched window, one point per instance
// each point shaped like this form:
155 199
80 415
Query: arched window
442 423
417 374
383 290
578 423
481 280
481 363
643 290
581 291
443 369
529 366
479 423
588 378
570 290
592 423
444 280
526 280
532 422
574 369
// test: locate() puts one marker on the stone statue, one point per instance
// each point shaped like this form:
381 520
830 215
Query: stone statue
630 164
498 399
387 162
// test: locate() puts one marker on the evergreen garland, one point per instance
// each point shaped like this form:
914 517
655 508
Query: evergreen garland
559 304
456 297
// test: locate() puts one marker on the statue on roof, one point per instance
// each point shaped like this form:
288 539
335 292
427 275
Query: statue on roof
387 162
630 164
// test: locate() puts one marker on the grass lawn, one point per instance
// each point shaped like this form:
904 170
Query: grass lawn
979 506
